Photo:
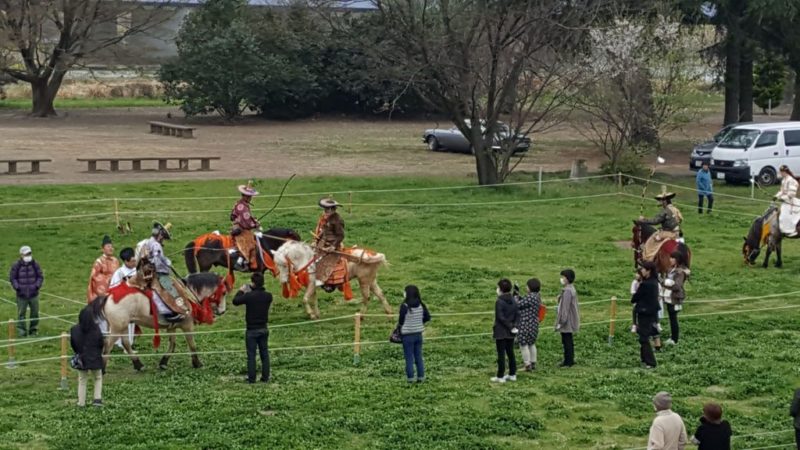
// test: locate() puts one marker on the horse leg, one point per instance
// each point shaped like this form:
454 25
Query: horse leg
778 248
365 293
766 256
170 350
387 308
307 296
192 347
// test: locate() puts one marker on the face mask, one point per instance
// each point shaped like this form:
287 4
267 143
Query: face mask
27 258
499 292
563 281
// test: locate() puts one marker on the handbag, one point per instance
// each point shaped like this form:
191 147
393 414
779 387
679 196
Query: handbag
76 362
542 312
396 337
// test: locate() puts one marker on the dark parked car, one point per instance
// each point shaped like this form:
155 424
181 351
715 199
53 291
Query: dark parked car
702 152
452 139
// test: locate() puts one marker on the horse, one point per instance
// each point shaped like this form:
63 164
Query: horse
213 249
765 230
295 261
136 307
641 233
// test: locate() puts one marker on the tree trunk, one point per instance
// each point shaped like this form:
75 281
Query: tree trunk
746 86
796 104
732 63
43 93
644 132
484 165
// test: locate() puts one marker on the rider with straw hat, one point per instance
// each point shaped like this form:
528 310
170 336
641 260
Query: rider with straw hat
243 226
669 218
329 236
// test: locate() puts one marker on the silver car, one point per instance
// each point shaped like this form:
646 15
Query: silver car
452 139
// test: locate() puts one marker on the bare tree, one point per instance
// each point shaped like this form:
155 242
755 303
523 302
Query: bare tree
41 40
480 61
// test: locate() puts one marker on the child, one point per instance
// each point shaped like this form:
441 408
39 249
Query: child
568 319
673 294
529 306
413 317
506 317
713 432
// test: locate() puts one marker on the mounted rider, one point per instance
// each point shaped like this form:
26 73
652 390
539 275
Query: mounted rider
331 268
670 219
168 300
245 228
790 204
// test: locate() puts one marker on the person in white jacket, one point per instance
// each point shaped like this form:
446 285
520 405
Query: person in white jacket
790 204
668 431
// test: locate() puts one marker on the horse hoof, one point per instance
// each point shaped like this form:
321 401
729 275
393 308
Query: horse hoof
162 366
197 364
138 366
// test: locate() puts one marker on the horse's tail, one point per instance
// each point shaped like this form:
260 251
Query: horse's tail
368 257
189 257
97 305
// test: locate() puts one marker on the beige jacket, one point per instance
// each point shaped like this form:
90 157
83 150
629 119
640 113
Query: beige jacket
667 432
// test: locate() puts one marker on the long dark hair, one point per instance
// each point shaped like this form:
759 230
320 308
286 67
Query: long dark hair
412 297
788 171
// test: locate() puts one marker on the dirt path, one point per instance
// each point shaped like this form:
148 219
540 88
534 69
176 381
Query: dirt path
267 149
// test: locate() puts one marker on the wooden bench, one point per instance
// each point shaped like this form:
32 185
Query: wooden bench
35 164
136 163
171 129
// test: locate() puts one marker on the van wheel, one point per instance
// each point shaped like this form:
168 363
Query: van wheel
767 176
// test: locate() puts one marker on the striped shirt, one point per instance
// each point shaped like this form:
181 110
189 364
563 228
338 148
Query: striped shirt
413 320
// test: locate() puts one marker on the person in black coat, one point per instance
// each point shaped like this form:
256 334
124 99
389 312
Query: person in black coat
506 317
794 411
87 342
257 302
646 308
713 432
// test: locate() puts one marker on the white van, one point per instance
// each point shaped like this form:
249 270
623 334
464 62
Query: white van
757 150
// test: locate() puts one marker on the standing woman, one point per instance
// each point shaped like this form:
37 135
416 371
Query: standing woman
646 307
87 342
529 306
673 294
790 204
506 320
413 317
568 318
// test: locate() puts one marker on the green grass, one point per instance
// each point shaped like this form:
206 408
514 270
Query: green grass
86 103
456 255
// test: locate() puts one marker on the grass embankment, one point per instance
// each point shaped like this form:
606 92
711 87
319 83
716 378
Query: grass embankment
86 103
747 361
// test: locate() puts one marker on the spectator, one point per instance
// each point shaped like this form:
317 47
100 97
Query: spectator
713 432
506 317
87 342
529 306
413 317
102 271
668 431
125 271
257 302
673 294
568 318
704 189
26 278
646 306
637 280
794 411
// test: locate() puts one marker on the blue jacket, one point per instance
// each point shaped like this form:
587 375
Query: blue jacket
704 186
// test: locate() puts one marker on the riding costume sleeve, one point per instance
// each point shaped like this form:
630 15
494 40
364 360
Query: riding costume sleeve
242 217
156 252
665 218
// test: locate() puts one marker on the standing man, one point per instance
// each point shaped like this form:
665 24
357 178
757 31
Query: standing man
705 188
102 271
329 236
243 224
257 302
668 431
26 277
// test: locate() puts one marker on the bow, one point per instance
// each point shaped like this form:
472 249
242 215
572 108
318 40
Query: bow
279 197
659 160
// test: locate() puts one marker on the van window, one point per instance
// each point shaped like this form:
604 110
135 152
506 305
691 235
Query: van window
792 137
739 138
767 138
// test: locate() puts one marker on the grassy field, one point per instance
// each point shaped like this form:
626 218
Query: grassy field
86 103
455 252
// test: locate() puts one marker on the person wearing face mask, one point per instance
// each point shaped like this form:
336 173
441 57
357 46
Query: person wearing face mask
26 277
102 271
568 318
646 308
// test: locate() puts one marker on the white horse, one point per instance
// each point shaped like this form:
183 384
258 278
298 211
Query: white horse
296 258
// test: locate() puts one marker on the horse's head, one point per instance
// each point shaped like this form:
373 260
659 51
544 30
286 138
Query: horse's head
211 289
752 242
293 256
145 270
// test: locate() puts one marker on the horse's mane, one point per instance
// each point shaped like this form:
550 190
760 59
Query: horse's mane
202 280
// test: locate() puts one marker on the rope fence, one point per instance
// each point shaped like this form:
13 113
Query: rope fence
742 436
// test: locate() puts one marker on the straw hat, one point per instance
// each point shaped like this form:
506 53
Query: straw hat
248 189
165 229
328 203
664 195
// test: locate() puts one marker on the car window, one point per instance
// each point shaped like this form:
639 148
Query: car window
791 137
721 134
739 138
767 139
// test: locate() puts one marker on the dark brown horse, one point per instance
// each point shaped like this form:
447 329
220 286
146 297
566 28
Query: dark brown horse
765 230
642 232
214 249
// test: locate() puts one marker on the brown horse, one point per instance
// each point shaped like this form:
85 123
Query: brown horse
215 249
765 230
641 233
136 307
295 262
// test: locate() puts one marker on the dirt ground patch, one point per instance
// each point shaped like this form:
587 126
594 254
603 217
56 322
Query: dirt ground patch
268 149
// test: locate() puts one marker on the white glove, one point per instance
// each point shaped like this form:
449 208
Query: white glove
669 283
259 234
514 330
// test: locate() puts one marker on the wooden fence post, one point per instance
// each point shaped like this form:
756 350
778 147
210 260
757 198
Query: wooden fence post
349 203
64 338
357 340
619 181
613 321
12 335
540 181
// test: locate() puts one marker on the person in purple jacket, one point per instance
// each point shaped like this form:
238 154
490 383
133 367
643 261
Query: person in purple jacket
26 277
